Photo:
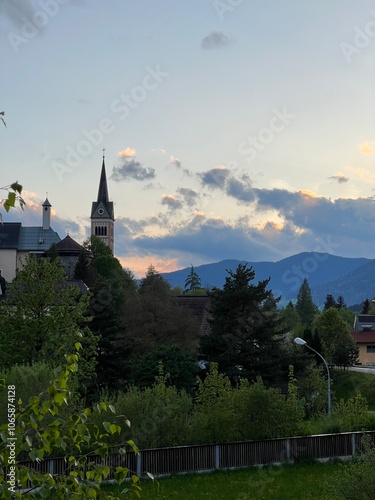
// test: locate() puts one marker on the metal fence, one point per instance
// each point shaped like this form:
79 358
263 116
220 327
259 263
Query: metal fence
197 458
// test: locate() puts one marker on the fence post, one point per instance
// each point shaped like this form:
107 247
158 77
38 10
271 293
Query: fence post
52 466
139 464
288 450
353 444
217 456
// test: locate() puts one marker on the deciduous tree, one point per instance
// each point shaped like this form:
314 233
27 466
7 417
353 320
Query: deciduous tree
44 318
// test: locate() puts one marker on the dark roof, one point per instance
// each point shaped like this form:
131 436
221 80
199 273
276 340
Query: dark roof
363 337
103 199
199 305
364 322
37 239
68 246
46 203
9 234
83 288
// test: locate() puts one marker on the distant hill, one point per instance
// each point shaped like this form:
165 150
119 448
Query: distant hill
353 278
355 286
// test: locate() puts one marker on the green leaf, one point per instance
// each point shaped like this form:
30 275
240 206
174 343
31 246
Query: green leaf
107 426
103 406
113 428
16 187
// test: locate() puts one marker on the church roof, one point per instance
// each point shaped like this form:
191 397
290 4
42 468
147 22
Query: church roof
103 198
199 305
68 246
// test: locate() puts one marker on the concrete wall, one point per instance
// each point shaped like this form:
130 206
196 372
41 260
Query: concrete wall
8 263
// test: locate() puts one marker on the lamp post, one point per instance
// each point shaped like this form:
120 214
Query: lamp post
300 341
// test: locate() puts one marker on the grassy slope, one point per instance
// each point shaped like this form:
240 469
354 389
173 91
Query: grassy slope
348 384
289 482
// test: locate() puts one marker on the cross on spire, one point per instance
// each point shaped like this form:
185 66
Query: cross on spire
103 153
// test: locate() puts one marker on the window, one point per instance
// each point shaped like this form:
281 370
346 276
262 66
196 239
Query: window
370 348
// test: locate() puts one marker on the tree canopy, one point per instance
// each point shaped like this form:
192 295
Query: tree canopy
246 332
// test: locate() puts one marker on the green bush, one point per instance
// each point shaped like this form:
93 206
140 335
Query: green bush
160 415
355 480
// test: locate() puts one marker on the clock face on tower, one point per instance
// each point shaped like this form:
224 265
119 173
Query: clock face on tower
101 211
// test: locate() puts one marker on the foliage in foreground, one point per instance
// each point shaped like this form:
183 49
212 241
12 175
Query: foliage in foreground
163 416
31 429
355 480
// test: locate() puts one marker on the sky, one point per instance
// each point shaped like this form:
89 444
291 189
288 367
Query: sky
232 129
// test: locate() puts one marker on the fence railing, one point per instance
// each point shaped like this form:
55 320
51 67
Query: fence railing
198 458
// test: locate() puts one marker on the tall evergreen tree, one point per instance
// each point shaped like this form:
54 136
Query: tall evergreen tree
245 338
365 307
193 281
329 302
305 306
340 303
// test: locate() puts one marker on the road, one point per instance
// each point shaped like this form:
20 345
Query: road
362 369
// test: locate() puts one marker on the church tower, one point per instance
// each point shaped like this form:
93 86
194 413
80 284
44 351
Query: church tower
102 213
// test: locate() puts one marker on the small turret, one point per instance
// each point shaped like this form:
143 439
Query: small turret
46 214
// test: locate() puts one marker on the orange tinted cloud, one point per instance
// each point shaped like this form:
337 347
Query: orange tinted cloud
139 265
308 194
362 174
126 153
367 148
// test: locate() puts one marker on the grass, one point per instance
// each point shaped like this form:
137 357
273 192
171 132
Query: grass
288 482
348 384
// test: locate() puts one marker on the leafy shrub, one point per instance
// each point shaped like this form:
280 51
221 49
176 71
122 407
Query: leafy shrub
355 480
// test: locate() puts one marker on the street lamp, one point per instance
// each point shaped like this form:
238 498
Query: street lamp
300 341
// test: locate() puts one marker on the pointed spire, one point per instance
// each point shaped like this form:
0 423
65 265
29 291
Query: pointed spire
103 189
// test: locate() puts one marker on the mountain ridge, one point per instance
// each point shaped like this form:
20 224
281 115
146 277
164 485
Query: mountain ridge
326 274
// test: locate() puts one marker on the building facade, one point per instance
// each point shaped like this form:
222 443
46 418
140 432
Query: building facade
18 242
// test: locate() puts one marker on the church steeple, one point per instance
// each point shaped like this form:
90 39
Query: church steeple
103 188
102 213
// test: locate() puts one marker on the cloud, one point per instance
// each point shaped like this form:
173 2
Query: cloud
190 196
221 178
344 217
339 178
363 174
367 148
158 151
16 11
240 189
171 202
126 153
214 178
175 162
138 265
132 169
215 40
